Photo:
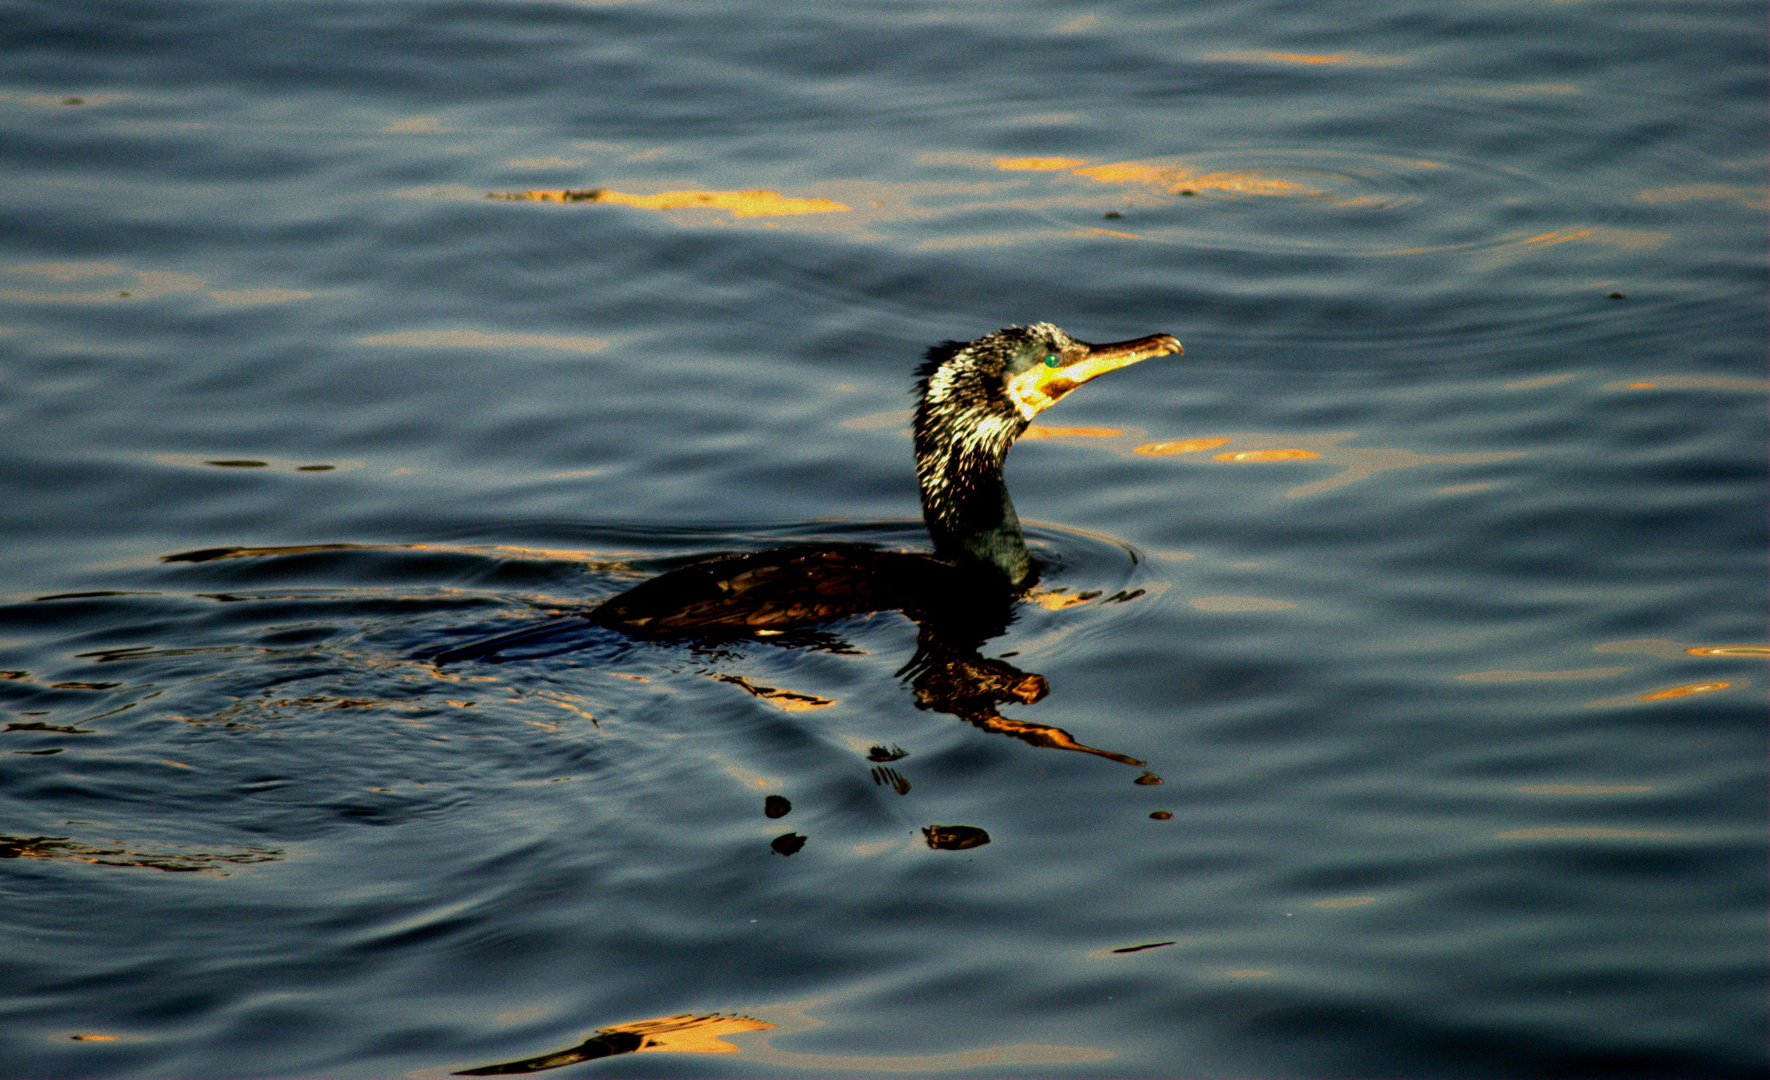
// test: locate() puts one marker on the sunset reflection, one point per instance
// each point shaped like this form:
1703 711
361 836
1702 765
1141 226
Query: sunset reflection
739 203
685 1033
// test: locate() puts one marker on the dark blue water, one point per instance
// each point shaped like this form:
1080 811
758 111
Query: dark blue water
1430 581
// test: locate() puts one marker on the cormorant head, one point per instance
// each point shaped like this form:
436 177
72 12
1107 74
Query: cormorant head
982 394
975 399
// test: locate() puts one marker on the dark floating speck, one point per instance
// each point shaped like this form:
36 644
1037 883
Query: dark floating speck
241 464
955 837
1618 296
787 843
122 294
879 753
314 468
1113 215
776 806
1140 948
1162 815
73 101
1188 192
1148 779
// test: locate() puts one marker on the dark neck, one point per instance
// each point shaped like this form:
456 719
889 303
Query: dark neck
982 529
964 501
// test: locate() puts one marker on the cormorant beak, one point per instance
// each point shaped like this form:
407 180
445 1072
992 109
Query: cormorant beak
1039 388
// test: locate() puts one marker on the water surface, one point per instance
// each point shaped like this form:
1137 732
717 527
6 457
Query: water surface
1430 582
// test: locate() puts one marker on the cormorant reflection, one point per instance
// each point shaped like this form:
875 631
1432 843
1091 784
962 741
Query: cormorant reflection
779 597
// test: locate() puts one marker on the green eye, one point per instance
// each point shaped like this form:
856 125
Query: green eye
1052 359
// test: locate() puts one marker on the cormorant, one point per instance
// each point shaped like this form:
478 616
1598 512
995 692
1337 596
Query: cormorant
974 399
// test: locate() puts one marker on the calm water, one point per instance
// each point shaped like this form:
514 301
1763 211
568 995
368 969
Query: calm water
1431 580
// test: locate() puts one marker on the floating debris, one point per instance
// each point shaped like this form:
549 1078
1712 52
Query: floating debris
1140 948
776 806
787 843
955 837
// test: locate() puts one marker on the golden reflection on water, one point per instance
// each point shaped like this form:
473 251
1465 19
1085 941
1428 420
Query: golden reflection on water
1729 650
1267 455
1178 180
1533 676
1693 382
795 1018
554 162
1670 693
1539 383
1258 56
1559 237
786 700
244 297
880 420
1357 463
1184 180
61 847
1060 597
1750 198
1046 431
1184 446
1588 833
1239 603
1043 164
1685 691
480 339
688 1033
1660 647
130 285
739 203
416 125
685 1033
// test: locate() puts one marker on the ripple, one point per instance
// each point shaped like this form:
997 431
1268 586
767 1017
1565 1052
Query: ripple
1340 201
